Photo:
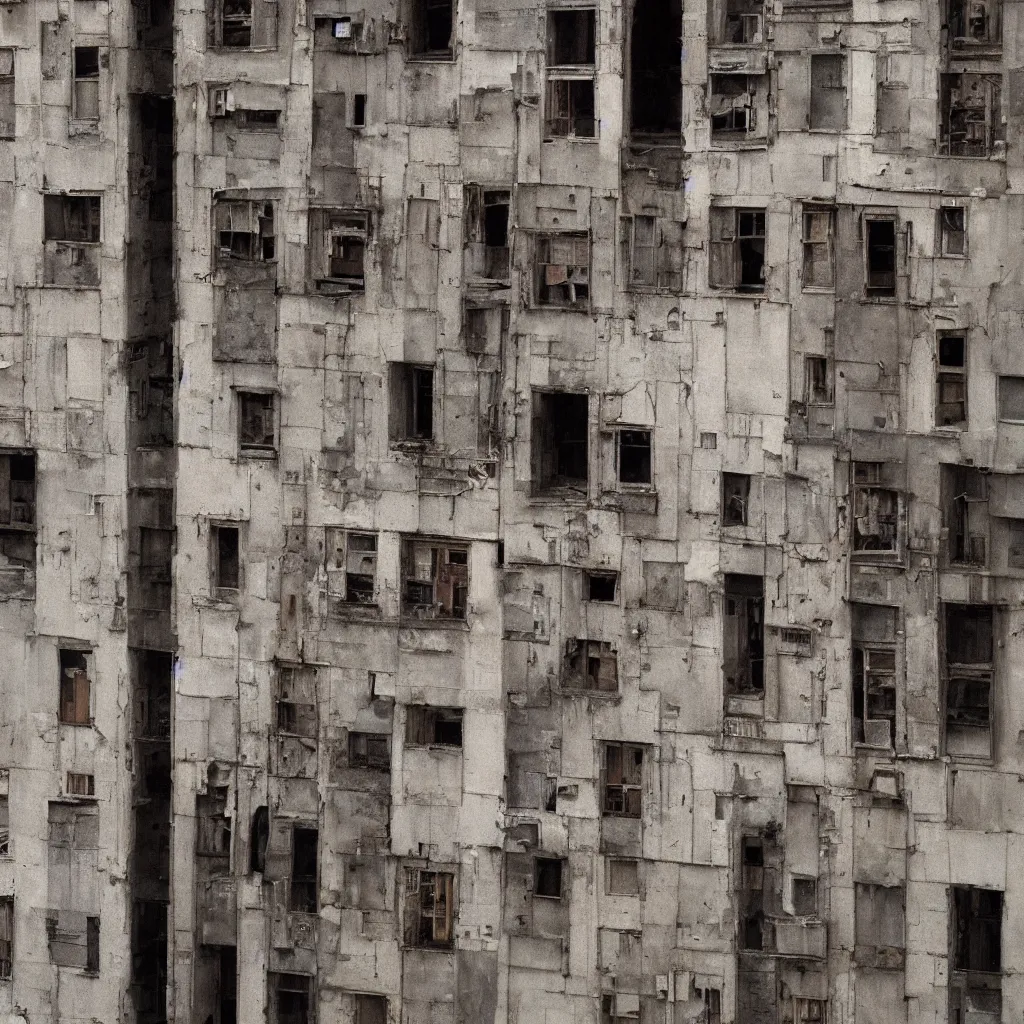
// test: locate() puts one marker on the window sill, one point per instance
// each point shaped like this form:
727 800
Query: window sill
730 145
241 49
818 291
871 748
962 256
731 292
588 140
258 454
604 696
885 559
879 300
444 748
621 817
551 307
69 287
415 445
406 621
213 603
77 725
445 57
332 289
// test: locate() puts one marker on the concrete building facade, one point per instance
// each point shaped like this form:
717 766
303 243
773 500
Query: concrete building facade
512 511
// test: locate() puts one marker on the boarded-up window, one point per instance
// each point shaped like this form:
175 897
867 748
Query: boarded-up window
562 270
1011 399
623 780
743 635
6 93
623 877
876 511
828 92
73 885
590 665
970 111
429 727
737 248
296 704
951 381
369 750
654 250
337 249
429 908
5 826
244 228
892 99
435 579
74 705
80 784
819 255
879 917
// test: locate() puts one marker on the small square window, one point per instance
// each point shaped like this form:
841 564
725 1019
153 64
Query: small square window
601 586
623 877
368 750
78 784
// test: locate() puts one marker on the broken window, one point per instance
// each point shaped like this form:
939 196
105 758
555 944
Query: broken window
337 249
369 750
433 727
975 24
7 108
259 837
743 640
257 423
80 784
876 510
879 916
429 908
590 665
738 22
435 579
751 893
560 449
85 98
213 827
71 218
6 937
432 27
296 701
600 586
828 92
634 457
1011 399
965 514
977 921
245 229
951 381
73 885
733 107
655 67
880 256
5 826
969 678
952 231
873 631
620 1007
562 276
735 498
892 99
486 232
547 877
817 381
653 251
623 877
1015 547
224 542
75 688
571 71
970 111
623 779
371 1009
303 891
412 402
291 998
351 565
737 248
819 230
243 24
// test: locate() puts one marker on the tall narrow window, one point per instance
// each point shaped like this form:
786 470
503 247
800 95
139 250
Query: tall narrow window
6 937
953 231
880 256
951 381
969 680
876 511
828 92
74 688
971 115
817 381
432 29
735 499
559 441
6 93
874 689
634 457
623 780
86 97
743 641
965 514
819 264
655 67
257 424
429 908
226 572
737 248
351 564
486 232
412 402
570 105
302 896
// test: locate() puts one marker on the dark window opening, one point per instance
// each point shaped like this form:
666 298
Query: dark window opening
412 402
213 826
226 566
547 878
371 1009
433 24
817 381
80 784
652 248
561 426
969 652
562 272
880 253
486 232
245 230
873 631
590 665
368 750
435 579
296 701
655 67
876 510
7 105
75 688
92 945
623 780
635 457
743 653
429 909
819 256
259 836
1011 399
6 937
302 893
737 248
735 498
965 514
951 382
433 727
227 987
257 428
258 120
572 36
977 929
71 218
732 106
337 245
953 231
291 997
86 98
601 586
751 892
359 110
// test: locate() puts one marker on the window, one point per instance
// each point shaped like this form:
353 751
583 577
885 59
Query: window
563 271
873 630
817 380
351 564
432 27
429 908
6 938
72 881
1015 548
302 893
257 424
708 440
213 825
259 837
735 498
245 229
653 251
880 256
71 218
156 553
892 100
435 579
743 642
85 100
571 70
951 381
337 248
486 232
733 107
623 778
412 402
1011 399
5 826
621 1007
433 727
7 93
547 878
226 572
737 248
751 893
879 916
590 665
623 877
974 24
601 586
655 67
828 92
359 110
969 675
290 999
634 457
876 512
296 712
371 1009
560 448
965 514
970 110
953 231
738 22
819 229
243 24
368 750
805 896
977 924
78 784
74 688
